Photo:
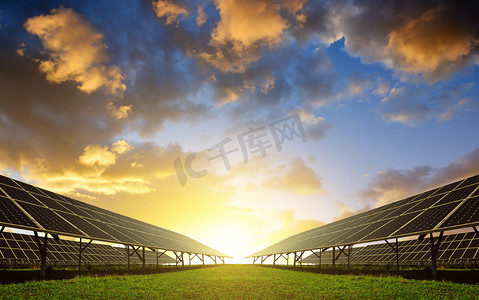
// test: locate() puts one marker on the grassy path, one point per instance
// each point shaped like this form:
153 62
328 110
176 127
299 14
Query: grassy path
238 282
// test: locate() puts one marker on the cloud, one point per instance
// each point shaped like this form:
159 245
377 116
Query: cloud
21 49
358 83
169 11
347 211
432 38
76 51
268 84
244 30
118 113
289 175
382 89
297 177
315 127
462 105
391 185
95 155
201 16
121 147
413 104
435 43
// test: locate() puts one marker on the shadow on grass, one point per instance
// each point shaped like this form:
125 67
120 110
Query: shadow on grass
457 276
19 276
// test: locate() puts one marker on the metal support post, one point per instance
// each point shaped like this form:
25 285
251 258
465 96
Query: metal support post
349 257
81 251
43 253
434 251
396 250
128 255
143 259
334 256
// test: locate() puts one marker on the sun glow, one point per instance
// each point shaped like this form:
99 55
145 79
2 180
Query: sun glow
232 238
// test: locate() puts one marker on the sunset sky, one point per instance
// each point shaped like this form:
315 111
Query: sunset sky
109 102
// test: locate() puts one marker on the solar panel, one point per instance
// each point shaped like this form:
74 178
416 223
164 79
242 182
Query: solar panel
427 219
22 248
7 181
88 228
455 248
470 180
63 215
11 215
467 213
429 211
51 203
18 194
48 219
28 187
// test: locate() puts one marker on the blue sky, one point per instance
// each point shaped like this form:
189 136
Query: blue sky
99 99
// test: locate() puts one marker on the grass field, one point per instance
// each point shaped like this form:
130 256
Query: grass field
238 282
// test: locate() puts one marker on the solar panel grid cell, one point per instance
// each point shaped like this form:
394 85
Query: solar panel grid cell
90 230
390 227
426 203
51 203
448 187
456 195
467 213
427 220
48 219
470 180
51 194
19 194
7 181
11 214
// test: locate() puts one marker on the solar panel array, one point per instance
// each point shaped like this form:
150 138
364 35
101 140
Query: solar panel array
455 205
25 206
23 249
454 249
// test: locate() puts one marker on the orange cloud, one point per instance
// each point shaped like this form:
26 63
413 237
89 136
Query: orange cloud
245 27
77 51
95 155
118 113
121 147
168 10
248 22
201 16
431 42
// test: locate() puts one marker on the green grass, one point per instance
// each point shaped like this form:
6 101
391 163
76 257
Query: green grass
238 282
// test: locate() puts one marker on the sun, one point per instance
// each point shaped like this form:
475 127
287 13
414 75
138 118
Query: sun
232 237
